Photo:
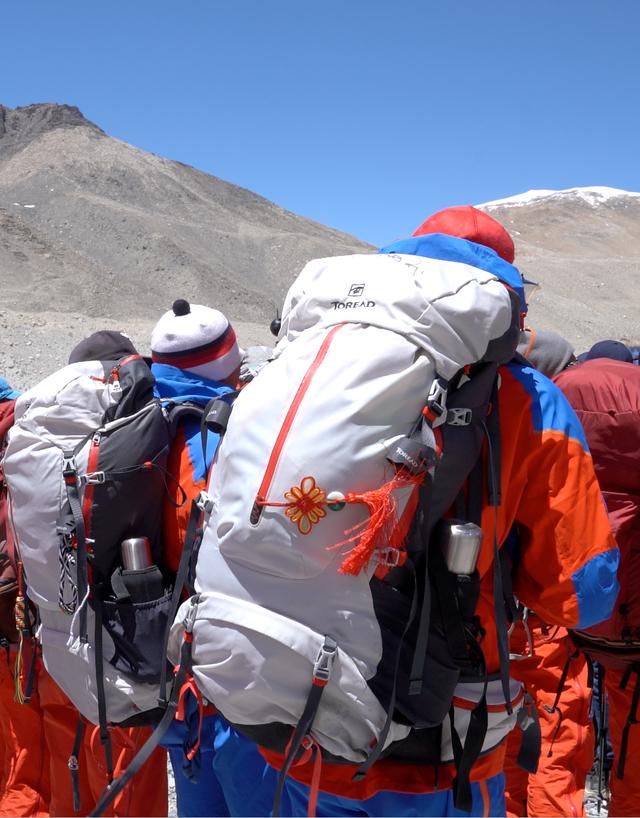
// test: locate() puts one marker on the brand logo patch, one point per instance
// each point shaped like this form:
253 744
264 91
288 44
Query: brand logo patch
355 290
346 305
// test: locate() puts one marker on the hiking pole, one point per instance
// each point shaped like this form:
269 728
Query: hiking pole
602 738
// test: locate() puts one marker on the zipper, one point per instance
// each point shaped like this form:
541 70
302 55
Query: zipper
115 424
115 372
265 485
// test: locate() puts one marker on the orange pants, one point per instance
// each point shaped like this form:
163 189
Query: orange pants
35 744
24 775
146 795
625 793
557 788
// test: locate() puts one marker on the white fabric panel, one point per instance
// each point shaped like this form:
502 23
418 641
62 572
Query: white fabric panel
55 415
269 594
58 414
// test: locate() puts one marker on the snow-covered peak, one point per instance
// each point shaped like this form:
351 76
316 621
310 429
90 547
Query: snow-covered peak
593 196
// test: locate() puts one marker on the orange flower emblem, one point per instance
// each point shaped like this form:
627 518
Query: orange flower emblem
306 504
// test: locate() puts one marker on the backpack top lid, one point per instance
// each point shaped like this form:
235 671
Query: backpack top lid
450 248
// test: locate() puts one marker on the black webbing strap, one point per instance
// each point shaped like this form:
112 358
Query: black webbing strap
603 725
502 628
563 678
305 722
74 764
374 755
113 790
515 612
105 737
475 492
465 757
632 718
301 730
492 432
177 410
422 638
72 483
451 618
190 543
204 431
554 708
531 743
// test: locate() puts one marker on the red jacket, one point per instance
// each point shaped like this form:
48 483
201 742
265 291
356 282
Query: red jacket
605 395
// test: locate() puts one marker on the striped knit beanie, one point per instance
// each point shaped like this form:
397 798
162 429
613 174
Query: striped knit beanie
198 339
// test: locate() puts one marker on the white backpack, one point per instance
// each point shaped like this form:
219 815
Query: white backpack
309 499
85 469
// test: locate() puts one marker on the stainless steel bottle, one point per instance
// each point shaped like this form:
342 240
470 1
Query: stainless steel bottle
461 546
136 553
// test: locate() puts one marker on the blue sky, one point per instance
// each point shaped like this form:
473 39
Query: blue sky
366 115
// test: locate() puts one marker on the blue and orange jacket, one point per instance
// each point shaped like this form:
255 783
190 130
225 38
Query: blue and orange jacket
187 463
567 559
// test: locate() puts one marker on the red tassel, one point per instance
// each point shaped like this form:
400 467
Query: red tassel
380 527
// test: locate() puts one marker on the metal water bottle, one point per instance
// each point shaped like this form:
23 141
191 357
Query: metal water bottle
136 553
138 580
461 546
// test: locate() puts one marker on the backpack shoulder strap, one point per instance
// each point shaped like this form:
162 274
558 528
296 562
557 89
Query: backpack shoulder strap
494 464
177 410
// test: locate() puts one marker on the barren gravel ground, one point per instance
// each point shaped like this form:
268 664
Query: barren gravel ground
33 345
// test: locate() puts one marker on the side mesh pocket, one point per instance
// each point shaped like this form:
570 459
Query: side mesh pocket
137 631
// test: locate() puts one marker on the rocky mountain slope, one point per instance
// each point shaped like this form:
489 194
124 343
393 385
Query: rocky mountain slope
583 247
95 232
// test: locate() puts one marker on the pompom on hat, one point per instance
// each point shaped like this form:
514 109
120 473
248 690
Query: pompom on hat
469 223
198 339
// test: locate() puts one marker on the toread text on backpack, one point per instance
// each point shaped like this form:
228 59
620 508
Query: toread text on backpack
315 617
85 468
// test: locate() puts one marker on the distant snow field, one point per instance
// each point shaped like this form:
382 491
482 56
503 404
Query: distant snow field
591 195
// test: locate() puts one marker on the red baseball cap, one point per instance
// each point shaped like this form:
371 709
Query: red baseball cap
467 222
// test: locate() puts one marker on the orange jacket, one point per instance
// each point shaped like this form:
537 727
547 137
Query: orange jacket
565 560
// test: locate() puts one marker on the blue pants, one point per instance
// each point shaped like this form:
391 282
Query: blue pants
248 783
488 799
227 777
198 791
